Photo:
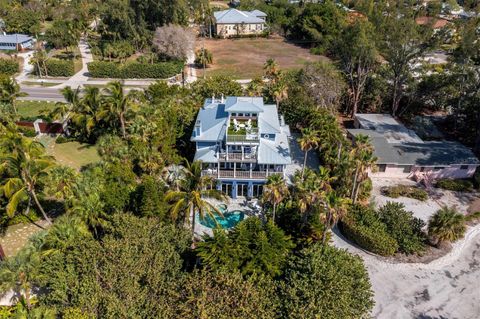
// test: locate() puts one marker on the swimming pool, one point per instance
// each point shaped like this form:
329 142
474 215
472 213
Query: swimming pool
229 219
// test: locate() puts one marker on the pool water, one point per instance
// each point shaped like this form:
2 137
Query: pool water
229 219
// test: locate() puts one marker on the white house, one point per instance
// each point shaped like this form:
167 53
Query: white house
234 22
401 152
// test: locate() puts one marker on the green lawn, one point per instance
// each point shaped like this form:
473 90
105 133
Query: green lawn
67 54
73 154
28 109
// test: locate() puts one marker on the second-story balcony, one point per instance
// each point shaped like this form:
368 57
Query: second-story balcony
238 157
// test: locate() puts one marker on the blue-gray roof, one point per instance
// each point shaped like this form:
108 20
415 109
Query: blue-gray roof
16 38
244 104
236 16
258 13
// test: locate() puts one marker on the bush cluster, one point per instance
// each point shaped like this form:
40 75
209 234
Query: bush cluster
363 227
392 229
63 139
405 191
456 185
58 67
134 70
27 131
9 66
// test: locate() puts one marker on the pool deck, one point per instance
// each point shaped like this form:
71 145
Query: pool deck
249 208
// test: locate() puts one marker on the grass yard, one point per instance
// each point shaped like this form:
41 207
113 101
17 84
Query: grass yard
40 84
27 109
73 154
67 54
244 58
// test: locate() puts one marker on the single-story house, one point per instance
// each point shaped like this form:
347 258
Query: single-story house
401 153
15 42
233 22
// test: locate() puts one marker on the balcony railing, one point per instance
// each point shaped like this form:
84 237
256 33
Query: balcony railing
238 174
245 138
238 157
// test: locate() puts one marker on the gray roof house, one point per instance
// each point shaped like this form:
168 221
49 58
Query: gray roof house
15 42
241 141
233 22
400 152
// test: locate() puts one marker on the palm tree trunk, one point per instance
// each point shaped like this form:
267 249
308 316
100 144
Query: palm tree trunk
355 194
274 209
37 202
339 151
27 298
192 212
354 183
327 228
304 162
122 124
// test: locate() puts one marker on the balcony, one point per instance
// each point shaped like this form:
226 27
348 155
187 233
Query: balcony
238 157
238 174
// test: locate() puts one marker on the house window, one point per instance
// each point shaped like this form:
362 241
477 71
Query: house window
407 169
382 168
438 168
464 167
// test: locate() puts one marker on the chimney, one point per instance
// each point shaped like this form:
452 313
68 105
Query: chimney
213 98
222 99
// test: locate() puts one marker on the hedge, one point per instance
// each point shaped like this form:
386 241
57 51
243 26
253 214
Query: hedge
363 226
456 185
9 66
134 70
370 239
58 67
405 191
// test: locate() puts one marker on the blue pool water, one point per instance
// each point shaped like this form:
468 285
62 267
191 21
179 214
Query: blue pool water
229 219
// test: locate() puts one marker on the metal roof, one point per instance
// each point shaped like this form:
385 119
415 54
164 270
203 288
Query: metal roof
244 104
15 38
274 152
236 16
385 124
424 153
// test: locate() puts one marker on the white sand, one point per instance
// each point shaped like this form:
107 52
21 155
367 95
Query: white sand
445 288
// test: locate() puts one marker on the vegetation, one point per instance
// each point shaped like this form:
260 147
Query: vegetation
456 185
9 66
405 191
448 225
56 67
134 70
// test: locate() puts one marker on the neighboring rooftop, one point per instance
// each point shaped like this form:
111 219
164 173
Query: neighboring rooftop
14 38
395 144
436 23
236 16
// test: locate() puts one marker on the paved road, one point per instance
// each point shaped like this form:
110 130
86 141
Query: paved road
42 94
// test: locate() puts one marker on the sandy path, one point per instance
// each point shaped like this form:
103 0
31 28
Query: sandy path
445 288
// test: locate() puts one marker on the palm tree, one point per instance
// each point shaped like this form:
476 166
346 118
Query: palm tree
25 165
189 199
72 104
271 70
19 272
274 191
336 208
280 92
446 225
255 87
308 192
203 57
362 155
308 141
10 91
117 104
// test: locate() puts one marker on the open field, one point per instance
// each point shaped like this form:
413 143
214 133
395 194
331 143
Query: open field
33 108
73 154
244 58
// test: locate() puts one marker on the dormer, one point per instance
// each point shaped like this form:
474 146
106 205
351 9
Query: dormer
197 131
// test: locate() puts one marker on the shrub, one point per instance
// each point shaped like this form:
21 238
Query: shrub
58 67
365 189
63 139
446 225
405 191
404 227
9 66
363 226
134 70
456 185
27 131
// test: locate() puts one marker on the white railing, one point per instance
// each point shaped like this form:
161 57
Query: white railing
234 157
238 174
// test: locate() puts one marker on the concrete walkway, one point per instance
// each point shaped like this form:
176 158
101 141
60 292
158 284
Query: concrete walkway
27 67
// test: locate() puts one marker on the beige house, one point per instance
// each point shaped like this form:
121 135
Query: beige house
233 22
